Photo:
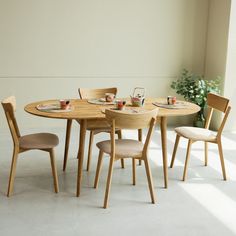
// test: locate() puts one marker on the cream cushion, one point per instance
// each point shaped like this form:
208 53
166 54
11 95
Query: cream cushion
196 134
123 147
38 141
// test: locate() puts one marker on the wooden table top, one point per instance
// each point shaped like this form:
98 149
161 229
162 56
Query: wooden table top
81 109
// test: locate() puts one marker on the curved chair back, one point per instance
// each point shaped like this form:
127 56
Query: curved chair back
9 106
95 93
128 120
125 120
217 102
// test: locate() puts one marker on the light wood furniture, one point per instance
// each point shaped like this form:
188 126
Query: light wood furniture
193 134
126 148
92 125
95 93
40 141
85 111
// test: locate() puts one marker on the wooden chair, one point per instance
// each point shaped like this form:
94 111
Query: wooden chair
193 134
40 141
126 148
94 126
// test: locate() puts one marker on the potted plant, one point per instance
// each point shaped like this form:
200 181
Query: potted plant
194 88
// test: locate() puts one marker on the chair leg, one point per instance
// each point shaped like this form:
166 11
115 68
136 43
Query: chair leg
134 170
67 143
12 172
119 133
206 153
140 138
99 165
175 150
54 170
222 159
149 178
187 158
90 149
109 178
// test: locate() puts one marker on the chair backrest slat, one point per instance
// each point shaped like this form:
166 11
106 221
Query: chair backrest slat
9 106
217 102
95 93
127 120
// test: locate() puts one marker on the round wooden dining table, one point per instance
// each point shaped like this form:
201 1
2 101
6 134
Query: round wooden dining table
86 112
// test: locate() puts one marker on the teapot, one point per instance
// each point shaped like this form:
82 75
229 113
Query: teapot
138 97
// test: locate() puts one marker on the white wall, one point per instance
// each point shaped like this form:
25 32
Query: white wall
230 76
217 38
49 48
221 51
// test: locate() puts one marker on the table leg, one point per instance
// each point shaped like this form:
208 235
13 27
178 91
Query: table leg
83 126
164 148
67 143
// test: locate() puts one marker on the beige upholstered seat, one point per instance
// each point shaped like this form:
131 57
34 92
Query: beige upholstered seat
126 148
193 134
95 126
196 134
40 141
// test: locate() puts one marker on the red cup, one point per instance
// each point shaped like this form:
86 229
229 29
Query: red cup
173 100
120 104
64 104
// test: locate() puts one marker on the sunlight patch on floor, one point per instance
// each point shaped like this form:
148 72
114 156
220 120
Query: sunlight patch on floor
214 163
217 203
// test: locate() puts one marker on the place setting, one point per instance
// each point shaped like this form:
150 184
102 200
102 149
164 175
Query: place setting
171 103
62 105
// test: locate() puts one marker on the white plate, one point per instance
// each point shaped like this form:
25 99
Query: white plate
102 99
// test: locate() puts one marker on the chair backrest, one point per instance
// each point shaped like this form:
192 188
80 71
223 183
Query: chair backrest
217 102
9 106
95 93
127 120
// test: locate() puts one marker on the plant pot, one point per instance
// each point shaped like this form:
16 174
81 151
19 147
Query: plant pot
200 120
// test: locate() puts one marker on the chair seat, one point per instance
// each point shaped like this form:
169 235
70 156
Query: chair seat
124 147
38 141
196 134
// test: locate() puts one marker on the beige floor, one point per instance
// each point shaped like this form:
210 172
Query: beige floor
203 205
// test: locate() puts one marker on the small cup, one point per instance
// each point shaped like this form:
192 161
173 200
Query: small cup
120 105
109 97
64 104
171 100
